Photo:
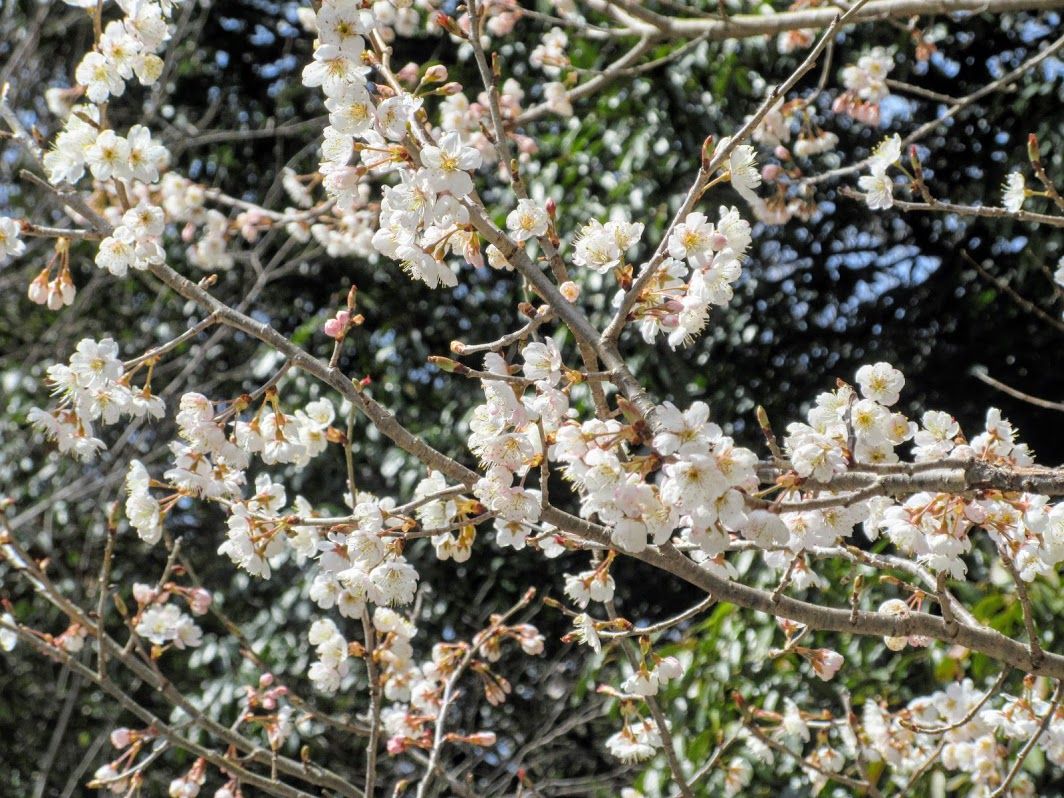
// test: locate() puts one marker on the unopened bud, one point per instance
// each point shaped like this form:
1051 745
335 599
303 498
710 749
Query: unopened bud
199 601
445 363
762 417
570 290
1033 153
449 24
142 593
408 74
478 738
708 146
437 73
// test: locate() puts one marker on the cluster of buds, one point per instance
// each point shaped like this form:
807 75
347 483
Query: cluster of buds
54 292
338 326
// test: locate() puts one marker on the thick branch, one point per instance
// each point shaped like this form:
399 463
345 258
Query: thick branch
741 26
986 641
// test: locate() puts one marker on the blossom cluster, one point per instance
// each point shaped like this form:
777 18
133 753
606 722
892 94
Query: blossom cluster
879 186
423 217
961 728
126 48
359 566
705 260
668 476
418 690
866 86
93 386
164 624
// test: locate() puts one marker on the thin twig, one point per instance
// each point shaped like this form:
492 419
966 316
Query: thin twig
981 374
1003 788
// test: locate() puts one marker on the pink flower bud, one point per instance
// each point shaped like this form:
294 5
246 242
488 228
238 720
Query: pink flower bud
121 737
265 680
770 171
782 153
408 74
437 73
337 326
473 254
143 594
199 601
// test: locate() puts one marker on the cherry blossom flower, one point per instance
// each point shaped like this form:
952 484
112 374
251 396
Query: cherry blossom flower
527 220
449 164
100 77
879 190
1014 192
881 383
11 246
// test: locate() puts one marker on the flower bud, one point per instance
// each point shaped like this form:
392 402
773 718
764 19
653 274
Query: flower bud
570 290
199 601
38 290
408 74
437 73
1032 148
143 594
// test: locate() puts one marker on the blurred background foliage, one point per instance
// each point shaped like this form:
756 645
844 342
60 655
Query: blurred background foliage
817 298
